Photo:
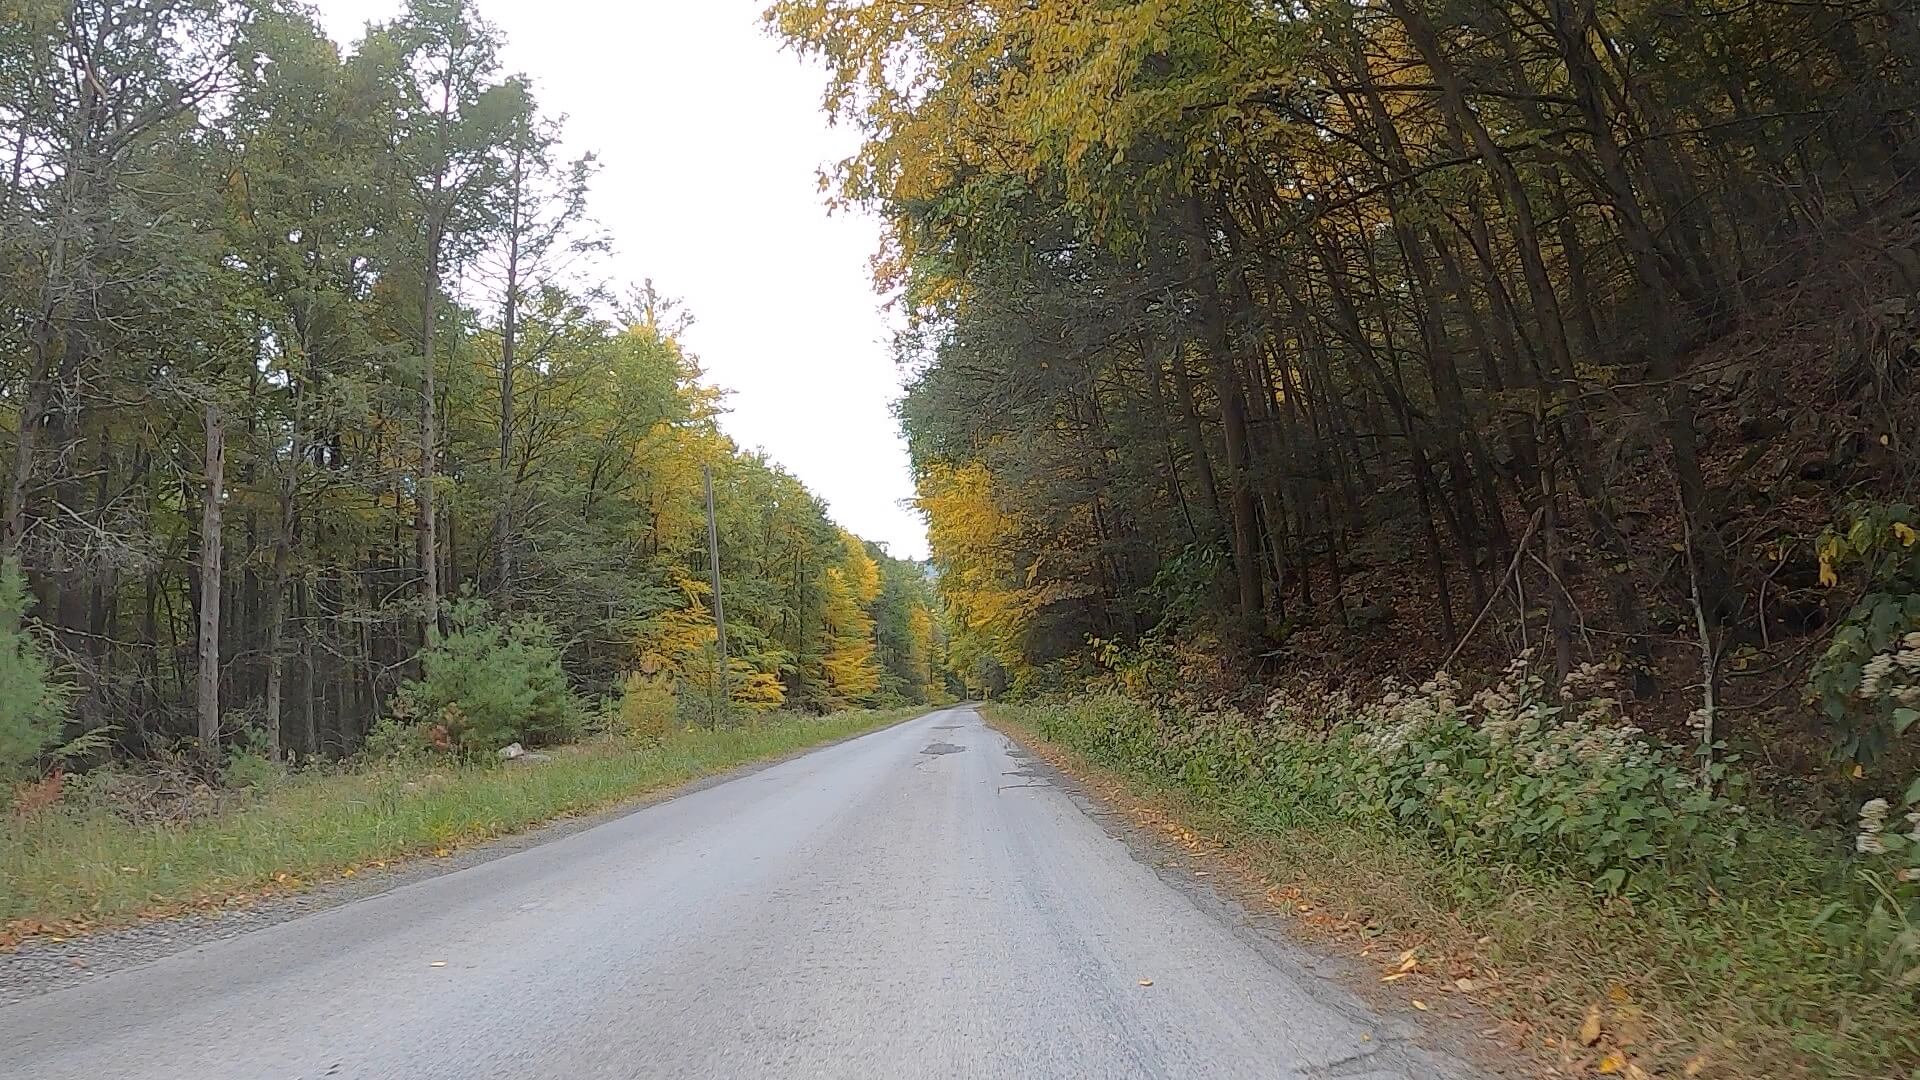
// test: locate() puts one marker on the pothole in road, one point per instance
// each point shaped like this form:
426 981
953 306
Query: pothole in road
944 748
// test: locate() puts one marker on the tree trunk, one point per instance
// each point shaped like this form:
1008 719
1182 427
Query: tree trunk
209 646
1233 423
509 335
424 521
1196 438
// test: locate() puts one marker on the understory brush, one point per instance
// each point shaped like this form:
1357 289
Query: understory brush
1578 859
33 701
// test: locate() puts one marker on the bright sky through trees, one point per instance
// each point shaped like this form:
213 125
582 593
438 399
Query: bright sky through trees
710 140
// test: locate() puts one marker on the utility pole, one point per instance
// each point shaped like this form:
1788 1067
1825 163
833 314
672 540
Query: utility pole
719 611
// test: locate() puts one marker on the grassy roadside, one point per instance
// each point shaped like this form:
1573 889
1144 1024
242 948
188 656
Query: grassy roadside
69 870
1697 986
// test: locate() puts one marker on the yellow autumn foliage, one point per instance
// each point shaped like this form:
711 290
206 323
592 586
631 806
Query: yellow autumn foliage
987 597
850 585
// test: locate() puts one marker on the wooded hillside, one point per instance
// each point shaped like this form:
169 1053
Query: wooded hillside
1266 342
310 358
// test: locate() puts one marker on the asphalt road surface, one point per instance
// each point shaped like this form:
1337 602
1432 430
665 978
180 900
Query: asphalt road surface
920 902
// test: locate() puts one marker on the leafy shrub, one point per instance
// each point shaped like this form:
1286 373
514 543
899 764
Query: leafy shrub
1893 874
484 685
647 705
1868 681
395 739
1519 775
1868 685
33 702
253 770
1187 585
1146 669
1513 775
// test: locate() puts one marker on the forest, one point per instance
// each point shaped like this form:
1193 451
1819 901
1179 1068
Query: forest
1364 336
321 408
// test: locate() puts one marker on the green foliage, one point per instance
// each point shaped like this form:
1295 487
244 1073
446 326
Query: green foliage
33 702
1511 777
401 741
1868 681
1893 873
700 705
1188 585
1147 669
88 744
488 683
1517 777
252 770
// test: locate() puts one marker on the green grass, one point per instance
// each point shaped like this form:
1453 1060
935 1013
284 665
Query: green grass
65 869
1773 976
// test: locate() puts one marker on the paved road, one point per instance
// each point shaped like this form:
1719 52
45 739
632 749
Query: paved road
920 902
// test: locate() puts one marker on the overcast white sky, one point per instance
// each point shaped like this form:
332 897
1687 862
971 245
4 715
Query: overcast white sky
710 140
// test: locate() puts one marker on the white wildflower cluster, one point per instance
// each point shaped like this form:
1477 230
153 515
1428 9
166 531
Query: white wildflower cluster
1873 824
1276 707
1530 771
1314 706
1595 750
1585 730
1595 679
1894 674
1874 839
1512 705
1390 724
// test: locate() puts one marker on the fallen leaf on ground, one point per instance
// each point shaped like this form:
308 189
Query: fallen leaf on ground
1614 1062
438 963
1590 1027
1418 1004
1146 982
